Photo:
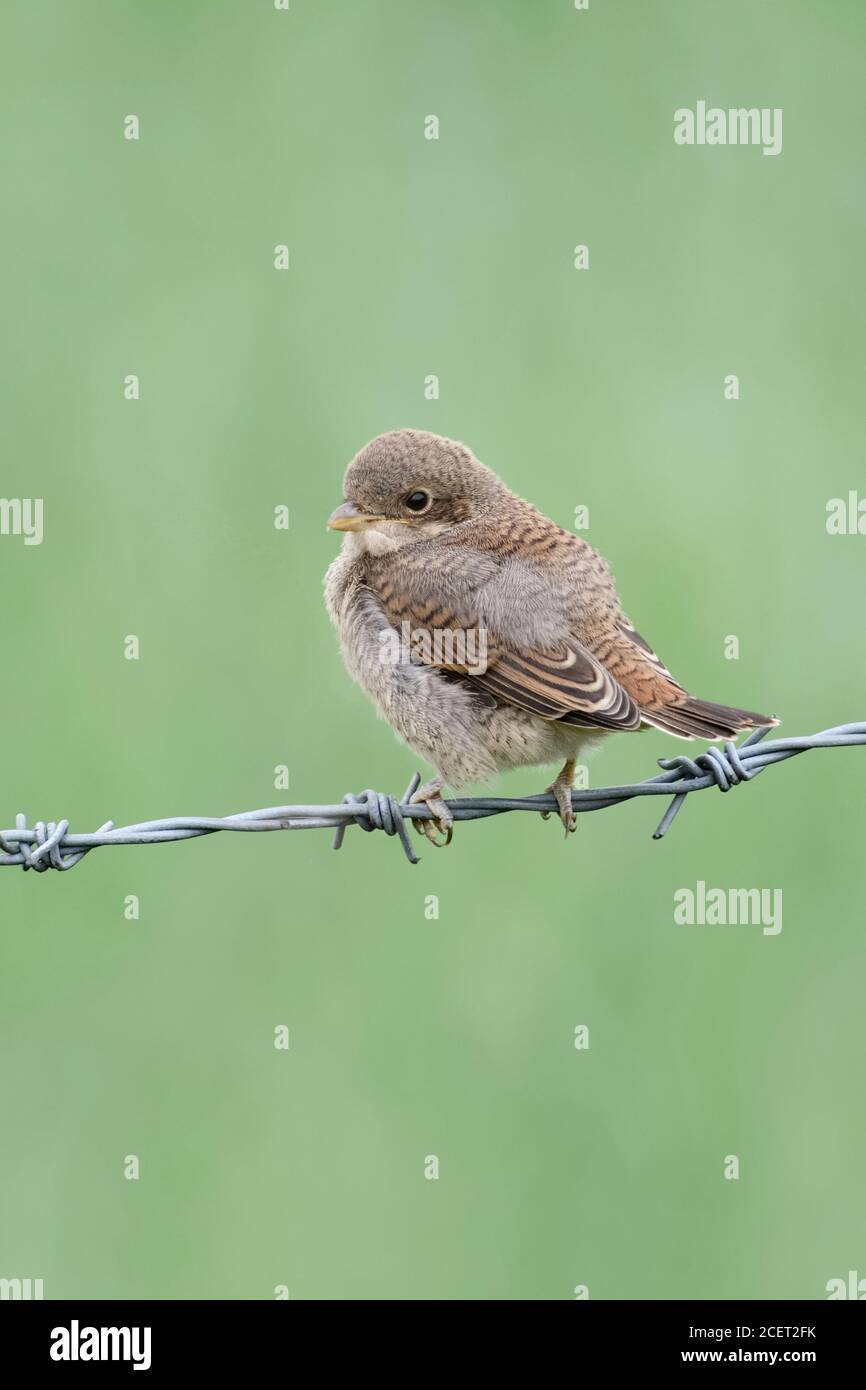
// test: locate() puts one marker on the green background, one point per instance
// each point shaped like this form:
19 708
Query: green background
604 388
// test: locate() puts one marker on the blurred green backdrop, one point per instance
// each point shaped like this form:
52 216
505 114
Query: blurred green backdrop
603 388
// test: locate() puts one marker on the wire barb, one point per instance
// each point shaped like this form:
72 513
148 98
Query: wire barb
375 811
49 845
727 770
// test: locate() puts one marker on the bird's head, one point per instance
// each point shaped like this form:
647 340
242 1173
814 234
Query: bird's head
408 486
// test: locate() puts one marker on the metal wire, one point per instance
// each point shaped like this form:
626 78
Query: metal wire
49 844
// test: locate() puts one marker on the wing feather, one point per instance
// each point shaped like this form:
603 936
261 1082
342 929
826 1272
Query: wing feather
565 682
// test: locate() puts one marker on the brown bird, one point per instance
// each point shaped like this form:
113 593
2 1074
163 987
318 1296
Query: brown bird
485 634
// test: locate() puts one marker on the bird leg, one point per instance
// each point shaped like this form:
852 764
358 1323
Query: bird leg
561 790
442 821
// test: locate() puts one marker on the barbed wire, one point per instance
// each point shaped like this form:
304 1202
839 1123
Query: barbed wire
50 845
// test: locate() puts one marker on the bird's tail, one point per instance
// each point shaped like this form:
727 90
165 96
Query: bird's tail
691 718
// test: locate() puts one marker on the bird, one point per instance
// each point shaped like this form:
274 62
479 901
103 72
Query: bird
485 634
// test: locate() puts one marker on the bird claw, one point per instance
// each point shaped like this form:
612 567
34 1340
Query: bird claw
561 791
429 829
439 828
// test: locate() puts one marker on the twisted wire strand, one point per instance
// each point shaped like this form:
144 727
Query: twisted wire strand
49 844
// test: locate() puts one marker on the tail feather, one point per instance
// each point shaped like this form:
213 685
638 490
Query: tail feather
692 718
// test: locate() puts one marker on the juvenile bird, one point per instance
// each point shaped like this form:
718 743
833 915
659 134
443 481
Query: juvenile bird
485 634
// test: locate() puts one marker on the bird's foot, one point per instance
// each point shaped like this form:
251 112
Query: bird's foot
561 789
442 822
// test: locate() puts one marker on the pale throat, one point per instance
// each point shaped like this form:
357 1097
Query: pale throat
388 536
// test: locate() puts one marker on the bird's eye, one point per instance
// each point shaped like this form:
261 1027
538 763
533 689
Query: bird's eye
417 501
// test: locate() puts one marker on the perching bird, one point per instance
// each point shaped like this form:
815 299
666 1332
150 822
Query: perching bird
534 656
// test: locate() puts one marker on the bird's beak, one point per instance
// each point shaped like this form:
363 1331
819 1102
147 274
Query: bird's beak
348 518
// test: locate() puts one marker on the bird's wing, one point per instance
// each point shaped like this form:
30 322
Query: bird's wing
568 685
518 643
631 661
662 701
